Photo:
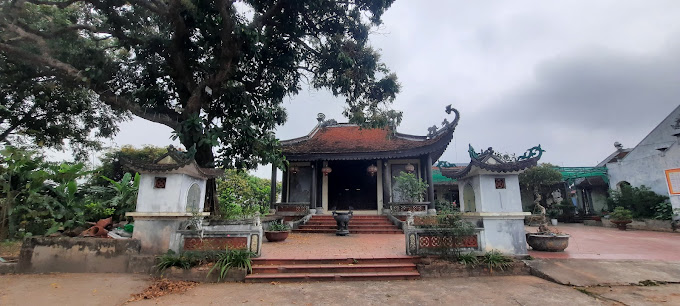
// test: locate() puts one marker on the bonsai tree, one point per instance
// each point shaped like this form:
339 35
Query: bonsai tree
621 216
538 179
409 188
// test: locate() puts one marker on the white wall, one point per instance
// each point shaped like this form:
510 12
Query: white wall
499 200
172 198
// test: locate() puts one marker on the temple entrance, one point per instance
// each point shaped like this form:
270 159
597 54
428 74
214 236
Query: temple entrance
350 185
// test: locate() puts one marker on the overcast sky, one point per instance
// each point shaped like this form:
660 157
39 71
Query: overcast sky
573 76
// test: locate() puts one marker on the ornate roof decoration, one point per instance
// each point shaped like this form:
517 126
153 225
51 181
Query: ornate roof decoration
174 161
330 140
492 161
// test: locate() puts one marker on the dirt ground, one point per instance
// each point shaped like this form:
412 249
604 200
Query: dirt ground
116 289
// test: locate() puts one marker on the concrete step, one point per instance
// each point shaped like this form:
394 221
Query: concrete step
334 268
301 277
314 226
352 231
334 261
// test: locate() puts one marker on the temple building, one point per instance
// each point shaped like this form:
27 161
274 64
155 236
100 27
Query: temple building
342 166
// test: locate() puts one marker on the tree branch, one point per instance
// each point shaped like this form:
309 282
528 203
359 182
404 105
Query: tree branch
265 19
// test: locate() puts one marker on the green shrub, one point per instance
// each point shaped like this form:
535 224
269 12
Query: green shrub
663 211
469 259
496 260
409 188
621 214
641 201
278 227
171 259
238 258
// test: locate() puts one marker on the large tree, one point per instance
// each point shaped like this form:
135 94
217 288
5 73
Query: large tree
214 71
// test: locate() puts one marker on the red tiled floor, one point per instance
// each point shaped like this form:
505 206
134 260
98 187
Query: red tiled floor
299 245
592 242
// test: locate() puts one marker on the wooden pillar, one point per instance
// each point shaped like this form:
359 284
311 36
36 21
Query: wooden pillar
272 193
386 182
430 188
312 200
284 186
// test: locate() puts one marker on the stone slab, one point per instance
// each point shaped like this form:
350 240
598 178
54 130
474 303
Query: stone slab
583 272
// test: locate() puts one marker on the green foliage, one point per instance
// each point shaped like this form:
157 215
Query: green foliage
125 194
40 198
112 168
621 214
241 195
470 259
170 259
38 108
640 200
496 260
409 187
239 258
553 213
543 175
278 227
445 207
663 211
216 73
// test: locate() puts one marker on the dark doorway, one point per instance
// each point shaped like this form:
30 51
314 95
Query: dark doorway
350 185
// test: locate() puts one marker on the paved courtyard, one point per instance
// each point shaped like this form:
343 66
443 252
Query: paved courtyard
593 242
299 245
586 242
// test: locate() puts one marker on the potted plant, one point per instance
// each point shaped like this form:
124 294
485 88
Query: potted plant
553 214
548 240
277 231
621 217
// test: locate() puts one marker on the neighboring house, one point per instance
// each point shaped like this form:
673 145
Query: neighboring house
647 162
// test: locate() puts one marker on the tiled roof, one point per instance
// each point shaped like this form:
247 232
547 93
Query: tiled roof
332 141
347 138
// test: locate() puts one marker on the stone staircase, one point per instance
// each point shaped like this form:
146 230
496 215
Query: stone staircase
347 269
358 225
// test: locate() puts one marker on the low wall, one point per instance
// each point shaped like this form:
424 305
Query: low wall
443 268
429 241
200 274
65 254
641 224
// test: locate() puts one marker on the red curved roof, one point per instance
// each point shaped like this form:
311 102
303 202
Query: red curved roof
353 139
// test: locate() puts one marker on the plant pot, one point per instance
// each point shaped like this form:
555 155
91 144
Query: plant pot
553 222
621 224
275 236
548 243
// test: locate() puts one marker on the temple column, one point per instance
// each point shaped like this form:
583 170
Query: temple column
430 188
284 186
387 184
272 193
312 200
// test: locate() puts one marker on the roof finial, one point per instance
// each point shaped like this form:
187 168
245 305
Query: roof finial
618 146
320 117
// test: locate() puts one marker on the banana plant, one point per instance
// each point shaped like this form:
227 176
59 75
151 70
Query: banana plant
126 190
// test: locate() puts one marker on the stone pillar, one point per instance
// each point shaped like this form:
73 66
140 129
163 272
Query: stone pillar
430 188
312 200
272 193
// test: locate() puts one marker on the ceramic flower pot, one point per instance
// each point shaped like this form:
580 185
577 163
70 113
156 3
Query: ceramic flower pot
621 224
274 236
548 242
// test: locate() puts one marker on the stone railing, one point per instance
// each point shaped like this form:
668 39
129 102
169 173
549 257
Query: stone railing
403 208
424 237
223 234
292 208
